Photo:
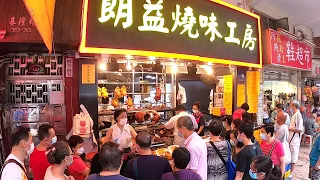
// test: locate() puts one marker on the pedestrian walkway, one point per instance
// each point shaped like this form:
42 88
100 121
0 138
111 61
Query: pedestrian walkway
302 166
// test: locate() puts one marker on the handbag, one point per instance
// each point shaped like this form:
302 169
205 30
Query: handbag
230 165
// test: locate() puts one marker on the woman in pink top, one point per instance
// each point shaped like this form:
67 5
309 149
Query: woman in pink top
272 147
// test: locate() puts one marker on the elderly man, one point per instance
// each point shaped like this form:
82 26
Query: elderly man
282 132
181 111
296 129
196 146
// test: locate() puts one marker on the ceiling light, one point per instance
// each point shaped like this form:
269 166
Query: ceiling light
103 66
208 69
129 57
129 66
152 58
174 68
148 76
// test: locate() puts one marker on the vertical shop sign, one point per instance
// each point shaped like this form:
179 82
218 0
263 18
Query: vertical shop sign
253 87
288 52
69 69
241 94
227 94
88 74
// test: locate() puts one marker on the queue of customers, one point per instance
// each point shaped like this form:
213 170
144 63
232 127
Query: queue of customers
195 160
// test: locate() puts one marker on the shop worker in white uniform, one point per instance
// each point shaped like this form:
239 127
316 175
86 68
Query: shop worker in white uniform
22 147
181 111
121 132
295 132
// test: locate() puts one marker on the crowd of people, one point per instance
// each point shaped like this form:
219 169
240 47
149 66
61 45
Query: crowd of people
232 153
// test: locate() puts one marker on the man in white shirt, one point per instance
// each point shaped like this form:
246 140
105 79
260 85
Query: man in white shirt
181 111
295 132
195 145
22 146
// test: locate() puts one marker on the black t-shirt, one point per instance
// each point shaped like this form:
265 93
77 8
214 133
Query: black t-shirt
228 135
113 177
149 167
244 159
201 122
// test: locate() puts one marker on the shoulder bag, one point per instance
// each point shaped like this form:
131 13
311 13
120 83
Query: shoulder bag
230 166
15 162
272 148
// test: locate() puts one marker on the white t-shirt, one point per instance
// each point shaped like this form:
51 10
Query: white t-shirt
123 138
282 133
12 171
49 175
172 124
296 123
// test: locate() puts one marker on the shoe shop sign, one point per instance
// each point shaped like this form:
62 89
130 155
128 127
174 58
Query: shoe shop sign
282 50
205 30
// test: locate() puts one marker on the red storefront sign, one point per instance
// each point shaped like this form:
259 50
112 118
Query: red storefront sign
285 51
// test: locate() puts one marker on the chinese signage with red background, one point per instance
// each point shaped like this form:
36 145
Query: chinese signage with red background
287 52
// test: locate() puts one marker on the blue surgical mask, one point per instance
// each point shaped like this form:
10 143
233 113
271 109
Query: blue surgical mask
54 140
253 175
232 143
263 136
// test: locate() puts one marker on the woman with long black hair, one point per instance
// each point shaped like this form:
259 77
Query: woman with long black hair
262 169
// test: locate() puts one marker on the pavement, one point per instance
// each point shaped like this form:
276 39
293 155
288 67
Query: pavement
301 171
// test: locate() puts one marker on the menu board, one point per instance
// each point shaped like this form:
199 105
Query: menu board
241 94
88 74
253 87
227 94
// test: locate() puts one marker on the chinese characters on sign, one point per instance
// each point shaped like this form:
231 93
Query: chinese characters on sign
21 24
253 89
88 73
185 21
227 94
289 52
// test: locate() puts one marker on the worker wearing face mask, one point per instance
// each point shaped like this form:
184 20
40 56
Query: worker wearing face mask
199 118
78 169
121 132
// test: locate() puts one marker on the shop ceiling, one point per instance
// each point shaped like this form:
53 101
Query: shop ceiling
299 12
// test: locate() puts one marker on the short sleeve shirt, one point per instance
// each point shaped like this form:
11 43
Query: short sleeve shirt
76 168
245 157
277 152
38 164
198 151
282 134
315 152
12 171
296 123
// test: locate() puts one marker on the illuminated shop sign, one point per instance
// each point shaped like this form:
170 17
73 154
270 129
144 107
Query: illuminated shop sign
190 29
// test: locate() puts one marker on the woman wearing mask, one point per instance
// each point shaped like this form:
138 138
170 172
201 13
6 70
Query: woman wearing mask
121 132
78 169
236 146
262 169
60 156
272 147
199 118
